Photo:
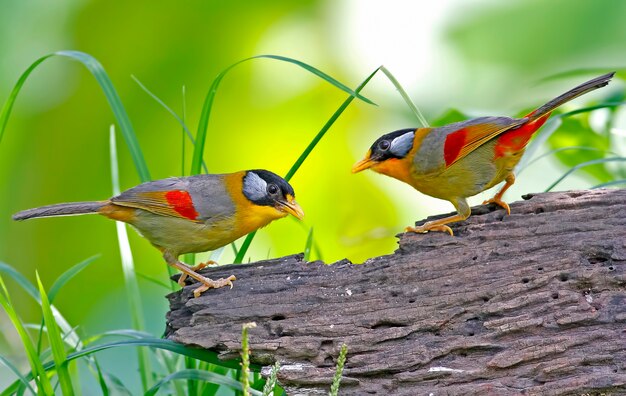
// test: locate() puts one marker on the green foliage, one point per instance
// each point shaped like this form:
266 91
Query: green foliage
341 360
201 375
109 91
271 381
309 245
574 133
56 342
40 375
245 357
210 97
128 268
584 165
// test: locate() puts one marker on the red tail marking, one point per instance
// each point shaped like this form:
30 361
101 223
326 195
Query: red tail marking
181 202
516 139
453 145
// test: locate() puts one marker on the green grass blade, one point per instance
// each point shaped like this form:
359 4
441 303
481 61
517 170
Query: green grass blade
56 343
158 343
179 119
551 126
68 275
326 127
128 268
341 360
17 373
271 381
241 254
101 380
210 97
109 91
590 71
582 165
72 337
42 380
170 363
406 97
246 243
318 73
245 357
605 105
558 150
192 384
127 333
16 388
20 280
199 375
609 184
154 281
309 245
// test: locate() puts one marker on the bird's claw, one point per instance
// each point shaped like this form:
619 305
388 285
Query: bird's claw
500 203
430 227
214 284
195 268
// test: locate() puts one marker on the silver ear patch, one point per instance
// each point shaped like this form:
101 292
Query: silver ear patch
401 145
254 188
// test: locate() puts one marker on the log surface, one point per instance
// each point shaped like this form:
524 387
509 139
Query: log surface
533 303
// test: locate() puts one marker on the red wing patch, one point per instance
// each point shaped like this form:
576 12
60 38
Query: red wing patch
181 202
453 145
516 139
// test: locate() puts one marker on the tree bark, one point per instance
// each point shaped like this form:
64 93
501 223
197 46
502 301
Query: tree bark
533 303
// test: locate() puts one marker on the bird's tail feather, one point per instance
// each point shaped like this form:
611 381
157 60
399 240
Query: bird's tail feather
64 209
582 89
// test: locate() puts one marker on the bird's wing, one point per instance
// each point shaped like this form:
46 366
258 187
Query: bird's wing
167 197
465 137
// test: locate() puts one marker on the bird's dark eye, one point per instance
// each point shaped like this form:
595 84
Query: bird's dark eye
384 145
272 189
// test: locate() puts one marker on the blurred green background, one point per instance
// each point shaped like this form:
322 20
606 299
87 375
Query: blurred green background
481 57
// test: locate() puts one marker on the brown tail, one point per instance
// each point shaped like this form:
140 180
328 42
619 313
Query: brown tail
582 89
64 209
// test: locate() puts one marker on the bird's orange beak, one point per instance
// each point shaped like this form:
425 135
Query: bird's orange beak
291 207
363 164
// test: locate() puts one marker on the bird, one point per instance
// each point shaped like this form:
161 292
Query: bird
192 214
459 160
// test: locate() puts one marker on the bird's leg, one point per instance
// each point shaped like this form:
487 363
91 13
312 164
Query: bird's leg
206 282
463 210
195 268
436 225
497 199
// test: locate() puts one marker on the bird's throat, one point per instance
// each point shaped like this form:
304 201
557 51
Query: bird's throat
398 168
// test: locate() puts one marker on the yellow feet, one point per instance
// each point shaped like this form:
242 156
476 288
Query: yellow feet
195 268
497 199
438 225
500 203
430 227
213 284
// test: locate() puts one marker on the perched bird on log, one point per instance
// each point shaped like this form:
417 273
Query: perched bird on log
192 214
459 160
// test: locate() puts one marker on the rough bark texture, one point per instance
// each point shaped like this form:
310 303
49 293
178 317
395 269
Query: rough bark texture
533 303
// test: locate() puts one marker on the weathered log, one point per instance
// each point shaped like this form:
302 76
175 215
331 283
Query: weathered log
533 303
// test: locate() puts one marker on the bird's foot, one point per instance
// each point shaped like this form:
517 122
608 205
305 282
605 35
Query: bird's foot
429 227
195 268
213 284
500 203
